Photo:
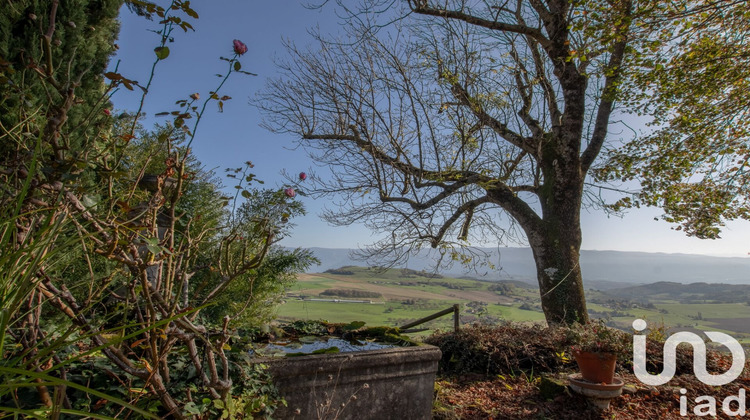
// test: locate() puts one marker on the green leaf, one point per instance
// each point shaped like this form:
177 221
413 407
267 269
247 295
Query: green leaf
50 380
192 408
161 52
153 245
237 66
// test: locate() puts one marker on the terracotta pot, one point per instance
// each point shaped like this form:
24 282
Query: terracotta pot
596 367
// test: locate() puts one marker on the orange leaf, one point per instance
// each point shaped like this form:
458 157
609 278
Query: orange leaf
137 342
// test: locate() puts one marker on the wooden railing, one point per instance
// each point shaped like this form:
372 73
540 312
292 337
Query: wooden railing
454 309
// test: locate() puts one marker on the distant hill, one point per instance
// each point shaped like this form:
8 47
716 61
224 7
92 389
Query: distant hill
601 269
515 283
684 293
406 295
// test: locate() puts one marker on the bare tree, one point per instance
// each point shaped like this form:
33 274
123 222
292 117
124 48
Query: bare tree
460 113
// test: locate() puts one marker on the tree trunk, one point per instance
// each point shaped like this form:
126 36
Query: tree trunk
555 240
556 255
556 245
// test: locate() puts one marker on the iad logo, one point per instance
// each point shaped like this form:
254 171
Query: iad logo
699 357
705 405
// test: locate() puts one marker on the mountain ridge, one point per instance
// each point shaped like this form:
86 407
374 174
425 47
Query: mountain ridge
597 266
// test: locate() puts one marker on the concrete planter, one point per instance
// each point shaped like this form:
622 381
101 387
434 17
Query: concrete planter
394 383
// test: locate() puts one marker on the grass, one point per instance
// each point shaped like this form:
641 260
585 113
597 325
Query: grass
515 314
390 314
311 283
430 295
405 297
729 318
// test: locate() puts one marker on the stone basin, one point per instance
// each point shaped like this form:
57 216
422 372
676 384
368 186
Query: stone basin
393 383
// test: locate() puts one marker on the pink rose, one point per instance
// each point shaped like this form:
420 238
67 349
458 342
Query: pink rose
239 47
289 192
302 176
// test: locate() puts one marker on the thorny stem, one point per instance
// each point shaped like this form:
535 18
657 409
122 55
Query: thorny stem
166 30
205 102
150 307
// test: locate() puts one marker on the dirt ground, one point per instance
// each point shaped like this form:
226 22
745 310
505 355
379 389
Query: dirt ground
519 397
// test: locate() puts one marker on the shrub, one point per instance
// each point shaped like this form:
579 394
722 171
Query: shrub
507 348
340 272
115 244
510 348
597 337
349 293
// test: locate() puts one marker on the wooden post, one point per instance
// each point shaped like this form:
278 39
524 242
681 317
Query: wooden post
427 318
454 309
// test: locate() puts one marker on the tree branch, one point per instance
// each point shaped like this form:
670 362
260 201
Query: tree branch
395 163
507 198
447 191
467 207
523 85
613 75
255 262
421 7
526 144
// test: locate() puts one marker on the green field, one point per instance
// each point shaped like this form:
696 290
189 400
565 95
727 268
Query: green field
730 318
406 295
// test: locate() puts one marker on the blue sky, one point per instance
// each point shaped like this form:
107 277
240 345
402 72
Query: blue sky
230 138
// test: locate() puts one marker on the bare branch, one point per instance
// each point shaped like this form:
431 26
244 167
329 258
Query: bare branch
422 8
526 144
466 208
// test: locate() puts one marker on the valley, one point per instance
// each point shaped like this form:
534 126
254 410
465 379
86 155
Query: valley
395 297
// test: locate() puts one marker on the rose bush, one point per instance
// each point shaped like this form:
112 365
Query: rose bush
114 245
